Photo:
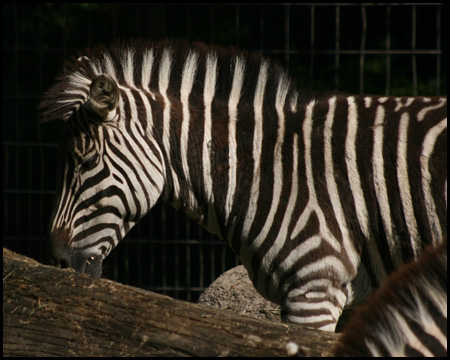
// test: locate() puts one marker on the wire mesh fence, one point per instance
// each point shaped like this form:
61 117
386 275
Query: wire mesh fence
391 49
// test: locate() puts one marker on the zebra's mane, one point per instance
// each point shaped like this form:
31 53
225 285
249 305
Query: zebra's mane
124 61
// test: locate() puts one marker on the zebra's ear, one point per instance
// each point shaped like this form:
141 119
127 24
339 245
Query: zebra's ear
104 97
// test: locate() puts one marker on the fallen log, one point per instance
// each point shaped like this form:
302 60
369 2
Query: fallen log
53 312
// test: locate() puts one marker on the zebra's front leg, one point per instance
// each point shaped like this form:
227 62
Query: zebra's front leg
317 304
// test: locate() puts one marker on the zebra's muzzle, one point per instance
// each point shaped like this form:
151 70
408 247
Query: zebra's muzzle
62 256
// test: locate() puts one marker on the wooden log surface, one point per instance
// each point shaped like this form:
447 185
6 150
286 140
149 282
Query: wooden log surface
53 312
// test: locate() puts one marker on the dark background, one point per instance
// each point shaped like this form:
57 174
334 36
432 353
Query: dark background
383 49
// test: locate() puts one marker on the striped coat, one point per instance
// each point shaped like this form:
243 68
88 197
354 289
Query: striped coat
320 195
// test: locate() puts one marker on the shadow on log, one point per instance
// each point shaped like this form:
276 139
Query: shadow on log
53 312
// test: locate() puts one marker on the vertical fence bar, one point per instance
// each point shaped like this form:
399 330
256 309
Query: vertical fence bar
261 28
388 50
286 35
311 55
413 48
362 49
188 272
237 19
337 46
438 47
201 259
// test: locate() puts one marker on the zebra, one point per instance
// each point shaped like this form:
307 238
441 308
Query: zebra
406 316
321 195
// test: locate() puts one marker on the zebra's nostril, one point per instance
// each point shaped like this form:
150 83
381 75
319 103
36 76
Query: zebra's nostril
59 253
64 264
62 260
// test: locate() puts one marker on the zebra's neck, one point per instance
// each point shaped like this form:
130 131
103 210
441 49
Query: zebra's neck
207 134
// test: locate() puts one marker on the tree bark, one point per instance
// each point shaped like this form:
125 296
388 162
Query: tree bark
53 312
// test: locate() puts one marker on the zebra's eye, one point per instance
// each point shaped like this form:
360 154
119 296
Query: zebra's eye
90 162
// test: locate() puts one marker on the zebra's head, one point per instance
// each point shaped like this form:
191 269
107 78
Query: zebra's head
101 194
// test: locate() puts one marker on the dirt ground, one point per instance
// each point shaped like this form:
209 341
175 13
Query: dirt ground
234 291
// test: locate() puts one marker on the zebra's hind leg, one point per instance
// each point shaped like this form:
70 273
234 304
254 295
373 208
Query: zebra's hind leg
318 307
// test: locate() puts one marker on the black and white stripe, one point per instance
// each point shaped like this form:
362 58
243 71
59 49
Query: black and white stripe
321 196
